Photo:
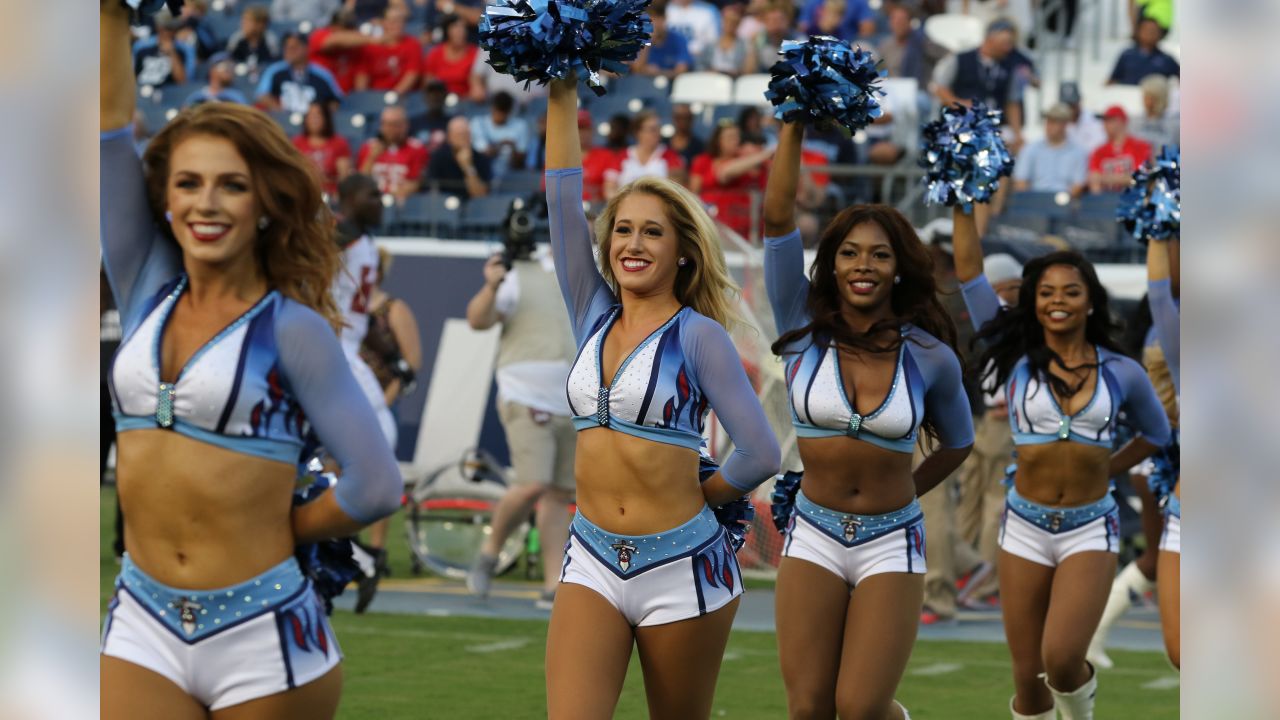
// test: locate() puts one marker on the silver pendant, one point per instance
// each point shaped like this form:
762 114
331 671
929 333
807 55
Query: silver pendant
624 550
851 529
187 608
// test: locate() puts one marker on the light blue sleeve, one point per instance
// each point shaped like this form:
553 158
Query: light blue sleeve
1165 316
946 404
718 370
138 259
785 281
981 300
311 359
1141 406
585 292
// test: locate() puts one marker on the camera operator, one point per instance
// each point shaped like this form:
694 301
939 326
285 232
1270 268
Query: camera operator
534 353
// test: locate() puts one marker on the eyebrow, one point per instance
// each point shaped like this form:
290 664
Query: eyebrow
856 246
234 175
1068 285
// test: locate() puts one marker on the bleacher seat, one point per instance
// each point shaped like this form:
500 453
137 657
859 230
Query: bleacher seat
902 94
954 31
638 86
1043 204
520 182
1099 206
749 89
223 24
428 214
708 88
1128 97
351 123
482 217
369 102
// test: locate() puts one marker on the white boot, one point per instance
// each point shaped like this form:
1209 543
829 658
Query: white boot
1077 704
905 715
1129 580
1049 714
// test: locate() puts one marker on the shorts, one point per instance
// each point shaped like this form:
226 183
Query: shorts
223 647
1048 535
854 547
372 389
1171 538
540 452
682 573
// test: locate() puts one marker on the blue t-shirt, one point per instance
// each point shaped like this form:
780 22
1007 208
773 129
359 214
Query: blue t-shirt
153 67
670 53
855 11
296 90
1135 64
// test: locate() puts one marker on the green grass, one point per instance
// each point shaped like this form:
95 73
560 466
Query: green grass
400 666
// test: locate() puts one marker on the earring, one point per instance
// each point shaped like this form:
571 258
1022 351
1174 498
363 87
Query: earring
897 279
1090 312
168 216
682 262
264 222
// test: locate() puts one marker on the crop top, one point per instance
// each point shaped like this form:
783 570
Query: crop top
663 389
927 379
1034 414
265 386
1165 314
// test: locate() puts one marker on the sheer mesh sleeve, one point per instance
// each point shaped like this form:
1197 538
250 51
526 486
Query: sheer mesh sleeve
981 300
312 361
785 281
946 404
1165 316
719 372
138 259
585 293
1140 404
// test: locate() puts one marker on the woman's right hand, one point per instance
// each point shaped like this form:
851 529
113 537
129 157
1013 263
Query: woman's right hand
966 244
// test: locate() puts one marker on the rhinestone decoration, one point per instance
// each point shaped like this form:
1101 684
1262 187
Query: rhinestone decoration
1064 428
602 407
855 423
164 405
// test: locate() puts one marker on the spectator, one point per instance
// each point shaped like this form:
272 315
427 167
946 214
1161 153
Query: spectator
667 53
855 18
430 126
163 59
1111 166
197 31
776 17
1053 164
254 44
486 82
316 12
451 61
602 163
1145 57
327 149
836 148
1158 125
500 135
683 140
219 89
338 47
458 167
726 176
1085 129
469 10
395 160
293 83
647 156
751 125
906 51
728 54
881 146
696 21
981 75
395 61
811 193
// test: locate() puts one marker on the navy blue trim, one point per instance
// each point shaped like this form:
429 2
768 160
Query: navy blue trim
907 531
239 377
628 576
697 587
222 628
918 517
653 376
808 388
284 649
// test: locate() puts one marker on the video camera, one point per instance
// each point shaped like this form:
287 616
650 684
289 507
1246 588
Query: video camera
517 233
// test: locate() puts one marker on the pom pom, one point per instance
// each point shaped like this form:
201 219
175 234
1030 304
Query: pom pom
330 564
1151 207
783 499
964 155
736 519
1164 477
822 79
540 41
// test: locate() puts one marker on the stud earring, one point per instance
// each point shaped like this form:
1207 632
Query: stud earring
682 262
897 279
168 216
264 222
1090 312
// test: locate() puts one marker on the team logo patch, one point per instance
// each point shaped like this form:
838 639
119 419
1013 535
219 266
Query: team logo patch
187 608
624 550
850 526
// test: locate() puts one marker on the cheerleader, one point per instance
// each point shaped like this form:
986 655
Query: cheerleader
220 257
1162 279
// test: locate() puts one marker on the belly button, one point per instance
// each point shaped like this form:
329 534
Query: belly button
622 511
182 558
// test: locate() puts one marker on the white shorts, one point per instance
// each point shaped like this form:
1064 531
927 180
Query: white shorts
227 646
1171 538
368 382
1048 535
674 575
855 547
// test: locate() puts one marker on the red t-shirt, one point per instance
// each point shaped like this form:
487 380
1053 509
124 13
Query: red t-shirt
813 157
732 201
341 64
1125 159
397 163
455 74
326 158
599 162
387 65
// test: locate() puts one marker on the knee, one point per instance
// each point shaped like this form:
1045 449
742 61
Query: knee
809 706
857 704
1064 669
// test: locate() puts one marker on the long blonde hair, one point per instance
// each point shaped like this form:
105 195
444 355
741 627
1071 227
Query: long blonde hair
704 284
297 251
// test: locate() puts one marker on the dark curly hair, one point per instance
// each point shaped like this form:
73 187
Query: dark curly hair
1016 332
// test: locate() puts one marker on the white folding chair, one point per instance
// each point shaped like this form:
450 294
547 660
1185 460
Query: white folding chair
749 89
954 32
708 88
1128 97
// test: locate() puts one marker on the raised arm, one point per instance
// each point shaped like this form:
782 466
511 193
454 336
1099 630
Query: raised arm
784 272
784 177
369 485
967 244
585 292
137 260
1164 311
756 456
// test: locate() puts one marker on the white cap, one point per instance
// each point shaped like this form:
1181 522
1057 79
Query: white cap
1001 267
938 232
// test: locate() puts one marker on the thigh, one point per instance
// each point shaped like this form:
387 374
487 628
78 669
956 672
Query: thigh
1081 586
317 699
132 692
1171 604
588 648
681 661
879 633
1025 589
810 609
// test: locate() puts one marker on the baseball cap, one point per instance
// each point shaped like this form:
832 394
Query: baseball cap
1001 267
1060 111
1115 111
584 118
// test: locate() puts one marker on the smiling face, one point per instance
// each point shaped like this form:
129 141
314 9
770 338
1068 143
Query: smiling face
643 247
210 196
1062 300
865 264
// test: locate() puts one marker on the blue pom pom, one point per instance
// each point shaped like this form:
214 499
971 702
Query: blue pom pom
330 564
736 519
823 78
964 155
1168 466
783 499
1151 207
540 41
